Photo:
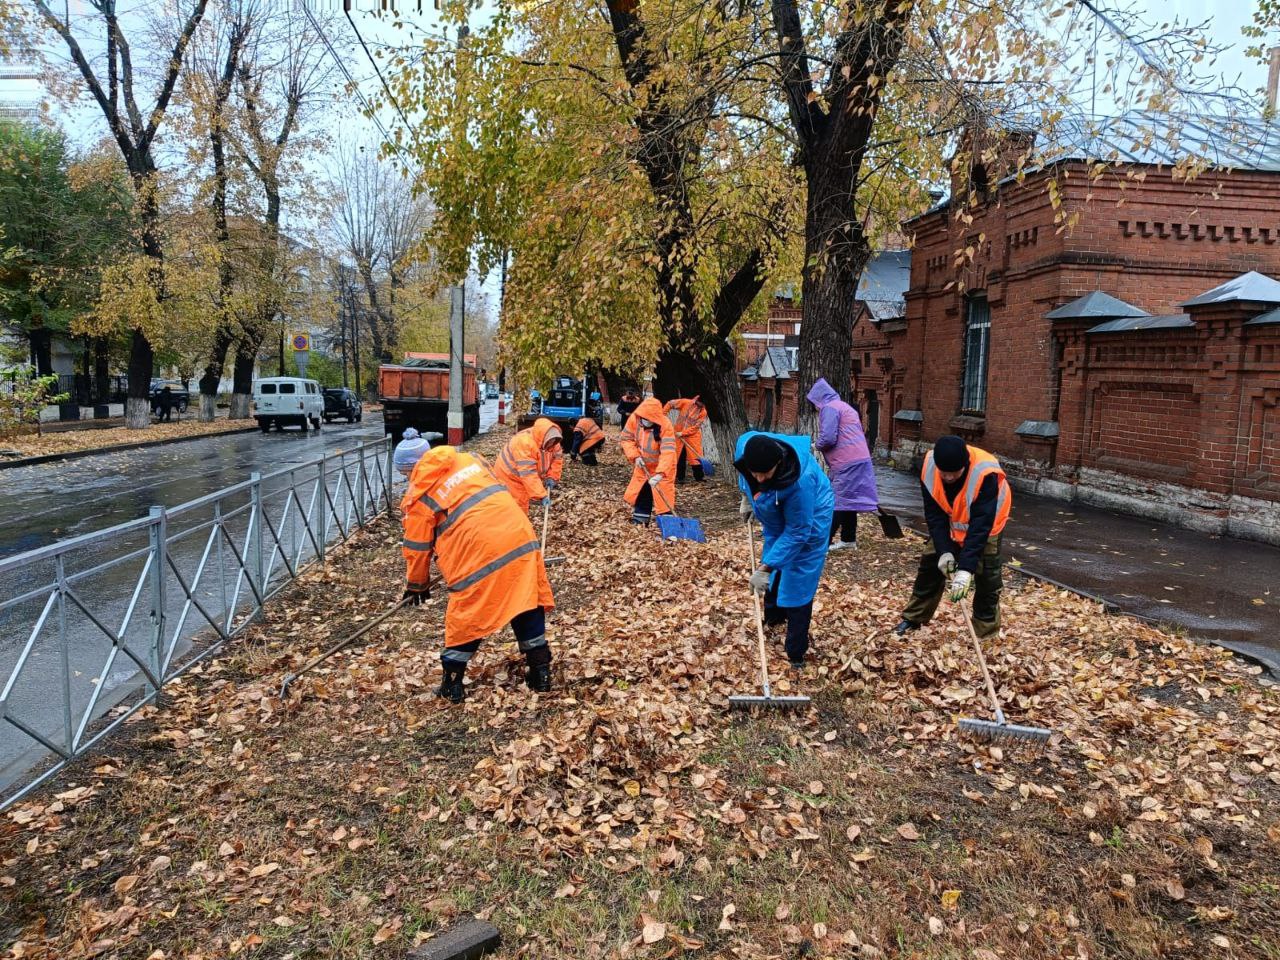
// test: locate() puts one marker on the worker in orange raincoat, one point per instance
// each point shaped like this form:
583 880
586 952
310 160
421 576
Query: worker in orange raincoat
588 440
531 463
649 442
687 417
488 557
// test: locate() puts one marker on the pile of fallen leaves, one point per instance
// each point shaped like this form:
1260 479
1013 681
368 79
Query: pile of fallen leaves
94 438
629 812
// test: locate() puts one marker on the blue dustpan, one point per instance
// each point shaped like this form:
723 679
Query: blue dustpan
680 528
708 468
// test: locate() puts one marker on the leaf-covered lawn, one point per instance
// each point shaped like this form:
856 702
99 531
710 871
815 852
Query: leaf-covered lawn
70 441
630 813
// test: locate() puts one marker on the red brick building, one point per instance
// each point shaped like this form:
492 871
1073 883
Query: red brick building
1132 361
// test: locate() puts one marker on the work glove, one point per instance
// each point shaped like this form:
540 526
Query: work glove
550 484
760 580
416 597
543 503
960 584
947 564
745 510
655 480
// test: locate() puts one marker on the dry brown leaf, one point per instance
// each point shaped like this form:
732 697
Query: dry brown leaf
654 930
936 926
725 914
782 912
791 933
1203 846
263 869
908 831
568 890
125 884
816 787
1173 887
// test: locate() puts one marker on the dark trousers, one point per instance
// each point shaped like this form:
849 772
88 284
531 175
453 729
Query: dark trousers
642 511
589 456
987 584
796 618
530 629
683 462
846 521
164 413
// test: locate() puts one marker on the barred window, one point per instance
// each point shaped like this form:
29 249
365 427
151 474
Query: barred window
977 347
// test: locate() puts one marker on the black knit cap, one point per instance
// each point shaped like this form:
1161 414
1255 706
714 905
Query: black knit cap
950 453
761 454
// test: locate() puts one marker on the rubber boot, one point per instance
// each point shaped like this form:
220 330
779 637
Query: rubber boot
538 678
451 687
905 626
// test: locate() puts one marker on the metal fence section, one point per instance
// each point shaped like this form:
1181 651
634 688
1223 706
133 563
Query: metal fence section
92 627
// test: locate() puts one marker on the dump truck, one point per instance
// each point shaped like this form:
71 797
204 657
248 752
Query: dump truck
415 393
568 401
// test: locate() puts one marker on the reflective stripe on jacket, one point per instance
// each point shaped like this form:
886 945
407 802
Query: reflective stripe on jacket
981 465
657 455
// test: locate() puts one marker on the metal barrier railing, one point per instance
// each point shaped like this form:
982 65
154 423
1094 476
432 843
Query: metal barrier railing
92 627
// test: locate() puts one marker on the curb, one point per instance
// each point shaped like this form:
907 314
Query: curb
117 448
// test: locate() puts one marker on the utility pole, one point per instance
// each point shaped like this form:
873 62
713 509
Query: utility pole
457 326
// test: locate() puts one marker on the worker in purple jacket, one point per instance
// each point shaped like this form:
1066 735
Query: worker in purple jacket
844 447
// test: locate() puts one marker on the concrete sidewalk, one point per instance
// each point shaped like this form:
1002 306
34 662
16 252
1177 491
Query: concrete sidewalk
1216 588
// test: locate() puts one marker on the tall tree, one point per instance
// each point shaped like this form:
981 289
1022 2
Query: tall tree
134 133
283 76
629 170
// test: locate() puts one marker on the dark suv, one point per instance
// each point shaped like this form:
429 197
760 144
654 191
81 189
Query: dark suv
341 403
179 396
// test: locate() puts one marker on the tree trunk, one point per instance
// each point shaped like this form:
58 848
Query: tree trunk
715 380
101 368
137 410
213 371
242 379
836 251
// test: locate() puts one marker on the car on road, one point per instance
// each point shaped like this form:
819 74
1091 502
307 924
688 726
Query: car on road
179 396
342 404
287 401
491 392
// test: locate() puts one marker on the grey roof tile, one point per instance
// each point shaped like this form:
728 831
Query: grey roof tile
1097 304
1251 287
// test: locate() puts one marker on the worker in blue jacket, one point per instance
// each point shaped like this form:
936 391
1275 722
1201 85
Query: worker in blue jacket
788 492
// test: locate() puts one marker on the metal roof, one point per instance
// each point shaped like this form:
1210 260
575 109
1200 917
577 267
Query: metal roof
1098 305
1251 286
779 360
749 372
885 279
1158 138
1271 316
1177 321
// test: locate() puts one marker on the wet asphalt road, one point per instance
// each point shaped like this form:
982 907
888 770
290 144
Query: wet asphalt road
1217 588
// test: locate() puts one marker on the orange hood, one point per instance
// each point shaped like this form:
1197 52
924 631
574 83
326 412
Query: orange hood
544 430
651 409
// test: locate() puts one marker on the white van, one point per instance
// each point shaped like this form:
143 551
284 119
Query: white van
287 400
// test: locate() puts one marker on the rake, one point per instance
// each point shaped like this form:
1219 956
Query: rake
998 729
546 516
674 527
316 661
746 701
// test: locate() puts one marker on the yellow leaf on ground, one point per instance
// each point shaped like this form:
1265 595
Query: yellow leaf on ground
950 899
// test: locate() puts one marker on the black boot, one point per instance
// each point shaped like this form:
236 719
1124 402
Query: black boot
906 625
538 678
451 686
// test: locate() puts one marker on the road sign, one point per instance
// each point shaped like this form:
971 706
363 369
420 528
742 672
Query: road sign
301 341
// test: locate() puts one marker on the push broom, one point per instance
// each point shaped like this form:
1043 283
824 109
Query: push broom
744 701
998 729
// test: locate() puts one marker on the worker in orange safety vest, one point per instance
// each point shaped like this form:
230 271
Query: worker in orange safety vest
488 557
649 442
588 440
531 463
687 416
966 506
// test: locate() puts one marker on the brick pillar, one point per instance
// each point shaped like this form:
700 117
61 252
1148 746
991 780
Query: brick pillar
1072 397
1220 460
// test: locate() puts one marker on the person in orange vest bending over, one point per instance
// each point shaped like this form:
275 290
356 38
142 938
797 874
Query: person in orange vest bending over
649 442
966 505
687 417
588 440
531 464
488 557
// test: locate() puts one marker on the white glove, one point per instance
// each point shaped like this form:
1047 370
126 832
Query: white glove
760 580
960 584
947 564
745 510
655 480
